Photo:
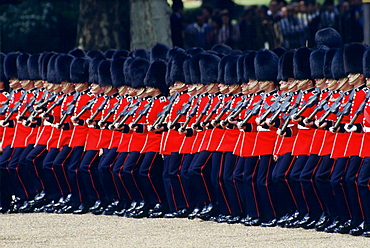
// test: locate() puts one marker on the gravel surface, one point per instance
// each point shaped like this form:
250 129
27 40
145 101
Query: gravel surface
53 230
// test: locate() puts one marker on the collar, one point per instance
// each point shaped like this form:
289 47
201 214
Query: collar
100 95
182 92
228 94
84 92
359 88
238 95
157 97
111 96
71 93
348 92
308 90
274 92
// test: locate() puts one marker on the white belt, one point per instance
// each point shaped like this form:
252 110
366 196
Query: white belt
46 123
260 128
303 127
366 129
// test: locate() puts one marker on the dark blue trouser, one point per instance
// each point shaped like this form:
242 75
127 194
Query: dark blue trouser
129 175
315 207
34 160
265 187
233 197
295 183
106 176
200 177
6 184
174 188
322 180
151 171
90 175
285 202
364 187
250 184
20 173
52 187
185 179
337 184
74 176
351 189
123 193
61 168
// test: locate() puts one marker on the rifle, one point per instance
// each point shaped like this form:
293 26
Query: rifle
292 112
181 112
283 108
332 109
121 114
5 107
191 115
270 108
360 110
203 113
110 113
27 107
54 105
85 108
346 110
163 115
129 113
71 108
238 108
209 116
90 120
322 105
253 112
310 103
142 113
14 109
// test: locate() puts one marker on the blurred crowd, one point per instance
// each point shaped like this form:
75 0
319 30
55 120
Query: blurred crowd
290 25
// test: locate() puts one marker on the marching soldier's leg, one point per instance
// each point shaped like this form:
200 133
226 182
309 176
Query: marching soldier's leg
60 168
107 180
336 181
190 192
124 195
218 187
167 184
52 188
249 186
200 179
310 193
150 172
232 194
5 180
352 195
78 199
266 190
179 194
295 186
364 193
20 189
284 198
129 177
89 174
322 180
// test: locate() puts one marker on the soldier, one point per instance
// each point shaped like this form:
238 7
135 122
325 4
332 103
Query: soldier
266 69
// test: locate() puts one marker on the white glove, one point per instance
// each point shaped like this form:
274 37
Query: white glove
349 129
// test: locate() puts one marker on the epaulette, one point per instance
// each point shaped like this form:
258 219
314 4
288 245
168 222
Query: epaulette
163 99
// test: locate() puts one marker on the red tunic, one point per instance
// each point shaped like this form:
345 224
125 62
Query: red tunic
93 134
125 137
65 134
172 140
106 134
79 133
265 139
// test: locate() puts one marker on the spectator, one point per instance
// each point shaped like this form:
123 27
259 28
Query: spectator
248 31
176 24
292 30
329 15
228 34
199 33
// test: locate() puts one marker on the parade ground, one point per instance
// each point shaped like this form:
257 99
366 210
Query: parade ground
54 230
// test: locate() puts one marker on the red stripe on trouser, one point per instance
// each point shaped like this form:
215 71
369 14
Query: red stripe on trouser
64 171
287 183
20 180
34 166
91 177
78 185
267 188
120 178
358 192
313 187
150 179
220 184
112 174
181 184
254 187
203 178
56 179
133 178
344 192
236 189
